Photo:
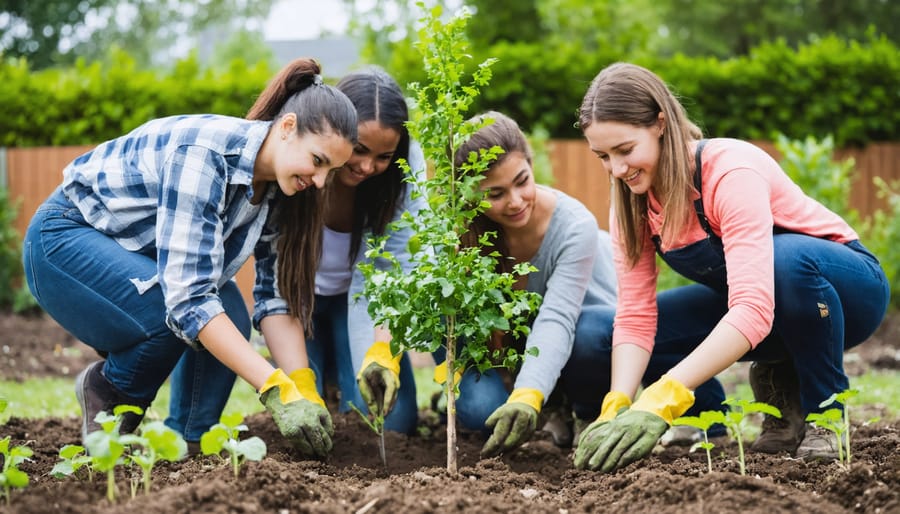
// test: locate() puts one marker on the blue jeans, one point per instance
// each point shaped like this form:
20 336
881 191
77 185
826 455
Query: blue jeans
329 357
829 297
82 278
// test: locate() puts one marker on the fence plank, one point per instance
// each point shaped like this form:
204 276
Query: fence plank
33 173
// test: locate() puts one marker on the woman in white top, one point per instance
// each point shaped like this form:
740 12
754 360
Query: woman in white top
363 197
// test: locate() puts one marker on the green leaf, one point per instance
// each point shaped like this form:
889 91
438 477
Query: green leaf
16 478
252 448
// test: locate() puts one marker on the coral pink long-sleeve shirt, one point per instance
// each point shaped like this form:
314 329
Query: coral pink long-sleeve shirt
745 194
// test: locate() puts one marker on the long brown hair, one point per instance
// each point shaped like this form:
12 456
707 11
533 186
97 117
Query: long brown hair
505 133
377 97
627 93
319 108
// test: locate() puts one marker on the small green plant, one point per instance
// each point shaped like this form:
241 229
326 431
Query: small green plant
157 442
72 458
703 422
107 446
837 420
734 421
225 436
11 476
375 422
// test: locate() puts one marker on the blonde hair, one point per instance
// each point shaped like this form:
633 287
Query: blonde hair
627 93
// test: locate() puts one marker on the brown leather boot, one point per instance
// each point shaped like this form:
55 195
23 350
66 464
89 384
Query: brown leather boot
776 383
96 394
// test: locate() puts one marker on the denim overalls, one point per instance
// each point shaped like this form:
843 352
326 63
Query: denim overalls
828 297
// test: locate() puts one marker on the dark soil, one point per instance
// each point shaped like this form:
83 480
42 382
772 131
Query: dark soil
537 478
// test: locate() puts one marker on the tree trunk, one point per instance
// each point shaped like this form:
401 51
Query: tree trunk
451 401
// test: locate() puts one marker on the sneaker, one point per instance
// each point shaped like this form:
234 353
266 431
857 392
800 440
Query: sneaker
776 384
96 394
559 428
818 444
681 435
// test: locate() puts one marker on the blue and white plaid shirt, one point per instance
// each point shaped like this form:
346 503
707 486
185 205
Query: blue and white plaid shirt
180 188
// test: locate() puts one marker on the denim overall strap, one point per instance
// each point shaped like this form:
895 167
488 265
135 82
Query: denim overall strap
704 260
698 203
698 184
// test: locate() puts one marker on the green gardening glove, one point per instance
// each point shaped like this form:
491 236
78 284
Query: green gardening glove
379 380
630 436
304 422
513 422
614 403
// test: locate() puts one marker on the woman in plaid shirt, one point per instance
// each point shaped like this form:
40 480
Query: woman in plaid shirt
135 252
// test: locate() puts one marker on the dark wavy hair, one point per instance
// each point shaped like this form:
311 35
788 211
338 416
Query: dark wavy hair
377 97
505 133
319 108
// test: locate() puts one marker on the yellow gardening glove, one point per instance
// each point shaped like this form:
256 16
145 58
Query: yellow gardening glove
305 423
631 435
379 378
613 403
440 374
513 422
667 398
305 380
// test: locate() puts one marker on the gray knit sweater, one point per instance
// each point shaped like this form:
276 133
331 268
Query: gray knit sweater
575 268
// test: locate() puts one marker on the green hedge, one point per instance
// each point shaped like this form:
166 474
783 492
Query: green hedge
90 103
847 89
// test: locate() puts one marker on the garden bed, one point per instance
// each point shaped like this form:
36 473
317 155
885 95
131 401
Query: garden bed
537 478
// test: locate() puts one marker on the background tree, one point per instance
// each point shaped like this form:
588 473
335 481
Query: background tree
57 32
727 29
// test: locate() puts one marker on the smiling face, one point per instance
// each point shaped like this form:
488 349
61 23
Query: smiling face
300 161
372 154
629 153
511 191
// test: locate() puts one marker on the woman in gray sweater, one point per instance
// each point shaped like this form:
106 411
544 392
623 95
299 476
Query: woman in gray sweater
573 257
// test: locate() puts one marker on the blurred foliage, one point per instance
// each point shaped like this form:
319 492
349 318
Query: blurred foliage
881 235
734 28
815 86
810 164
11 274
58 32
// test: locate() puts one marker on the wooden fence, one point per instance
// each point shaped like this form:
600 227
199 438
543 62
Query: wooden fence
33 173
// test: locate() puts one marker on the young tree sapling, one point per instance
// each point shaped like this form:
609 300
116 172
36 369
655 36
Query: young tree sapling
453 294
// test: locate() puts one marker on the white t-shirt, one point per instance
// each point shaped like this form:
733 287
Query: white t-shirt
334 273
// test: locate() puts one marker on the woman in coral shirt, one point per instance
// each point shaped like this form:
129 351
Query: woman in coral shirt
781 280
